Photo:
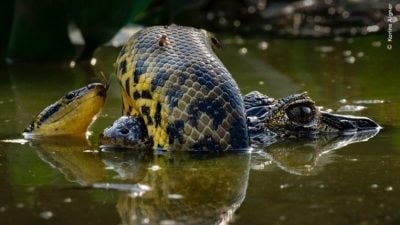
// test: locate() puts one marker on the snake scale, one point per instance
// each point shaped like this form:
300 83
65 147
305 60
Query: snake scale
172 79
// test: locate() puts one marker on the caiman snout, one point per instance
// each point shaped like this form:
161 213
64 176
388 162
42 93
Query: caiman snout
345 123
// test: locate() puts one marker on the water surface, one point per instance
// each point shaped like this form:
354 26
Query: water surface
325 181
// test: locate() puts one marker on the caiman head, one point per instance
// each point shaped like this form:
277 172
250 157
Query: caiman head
297 115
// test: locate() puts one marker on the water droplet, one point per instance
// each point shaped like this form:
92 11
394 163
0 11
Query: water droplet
261 4
338 39
67 200
353 31
46 215
222 21
347 53
251 9
30 189
236 23
20 205
155 168
308 3
91 151
331 10
283 186
267 27
329 110
210 16
325 49
345 14
360 54
389 188
282 218
261 82
15 141
373 28
238 40
93 61
374 186
376 44
288 9
351 108
146 220
263 45
350 59
343 100
243 51
72 64
175 196
372 101
168 222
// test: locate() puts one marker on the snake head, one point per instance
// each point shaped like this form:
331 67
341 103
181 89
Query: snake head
72 114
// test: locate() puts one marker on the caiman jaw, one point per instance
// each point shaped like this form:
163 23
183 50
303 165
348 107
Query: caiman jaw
345 123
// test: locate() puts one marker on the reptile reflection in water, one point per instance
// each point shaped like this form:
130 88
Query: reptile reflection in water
188 189
70 158
183 187
305 157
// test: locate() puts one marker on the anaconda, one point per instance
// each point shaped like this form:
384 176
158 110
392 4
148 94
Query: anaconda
70 115
177 94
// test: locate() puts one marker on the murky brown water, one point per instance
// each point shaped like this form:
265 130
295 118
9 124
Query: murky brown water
324 181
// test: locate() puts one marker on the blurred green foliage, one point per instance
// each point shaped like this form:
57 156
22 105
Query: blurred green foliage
99 21
34 36
37 30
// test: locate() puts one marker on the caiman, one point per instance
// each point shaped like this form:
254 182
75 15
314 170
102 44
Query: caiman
177 95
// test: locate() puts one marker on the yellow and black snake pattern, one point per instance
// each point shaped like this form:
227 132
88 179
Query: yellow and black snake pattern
188 100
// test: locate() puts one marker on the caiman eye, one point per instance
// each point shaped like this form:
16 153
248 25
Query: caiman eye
302 114
69 96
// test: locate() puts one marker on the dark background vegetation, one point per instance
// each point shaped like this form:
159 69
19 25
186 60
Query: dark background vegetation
37 30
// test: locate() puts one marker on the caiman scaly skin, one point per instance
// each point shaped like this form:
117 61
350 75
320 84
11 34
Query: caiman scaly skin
188 100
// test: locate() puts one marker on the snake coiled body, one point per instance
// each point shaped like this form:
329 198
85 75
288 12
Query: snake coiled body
188 100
